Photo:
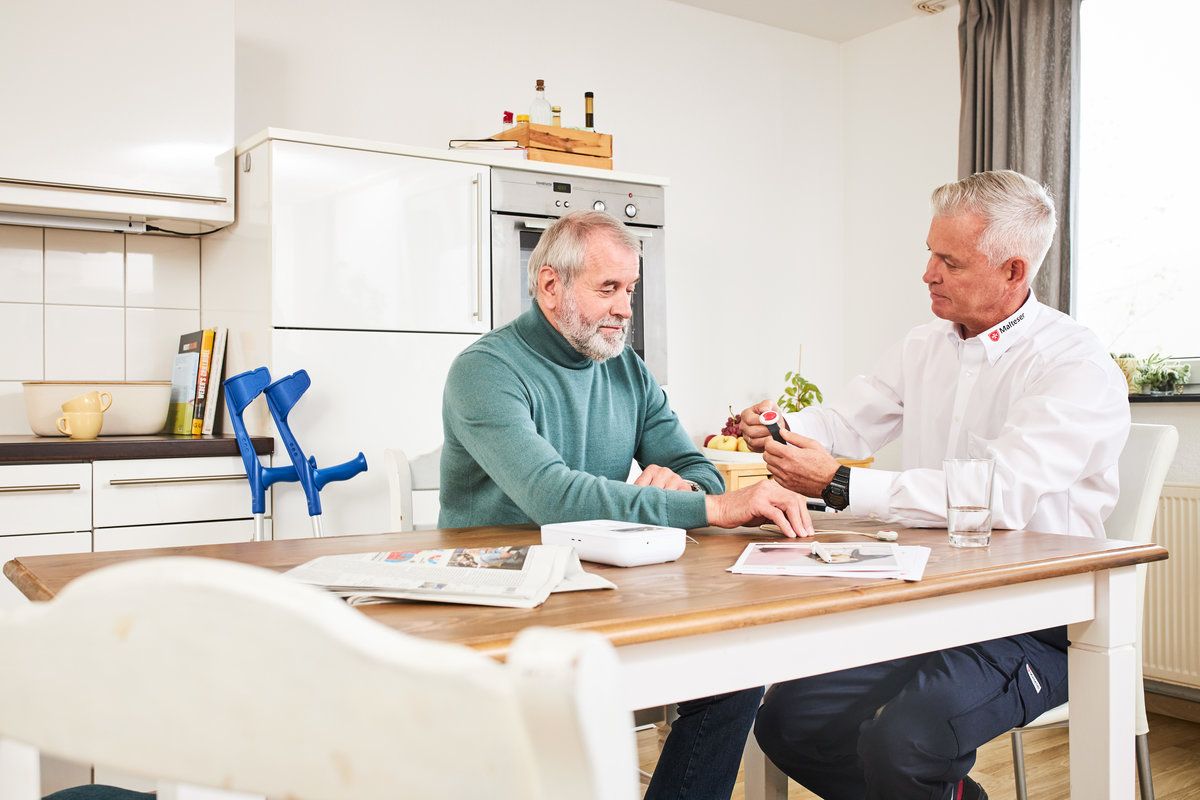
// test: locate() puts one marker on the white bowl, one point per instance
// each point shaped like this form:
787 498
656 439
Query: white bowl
730 456
138 407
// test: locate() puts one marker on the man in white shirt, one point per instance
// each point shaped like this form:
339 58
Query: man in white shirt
997 376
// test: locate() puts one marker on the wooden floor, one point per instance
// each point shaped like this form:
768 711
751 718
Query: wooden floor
1174 758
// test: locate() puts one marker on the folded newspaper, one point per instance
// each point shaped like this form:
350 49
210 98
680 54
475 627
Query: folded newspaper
517 577
833 559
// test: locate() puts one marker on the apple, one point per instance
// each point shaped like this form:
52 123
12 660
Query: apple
742 447
721 442
708 439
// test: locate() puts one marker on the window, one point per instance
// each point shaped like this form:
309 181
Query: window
1137 270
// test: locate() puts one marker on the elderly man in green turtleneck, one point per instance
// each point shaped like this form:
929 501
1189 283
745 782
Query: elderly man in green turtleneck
543 418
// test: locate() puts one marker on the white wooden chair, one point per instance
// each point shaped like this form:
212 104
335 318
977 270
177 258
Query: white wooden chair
1143 469
206 673
405 476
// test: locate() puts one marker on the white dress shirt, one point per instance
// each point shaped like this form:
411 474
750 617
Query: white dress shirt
1037 393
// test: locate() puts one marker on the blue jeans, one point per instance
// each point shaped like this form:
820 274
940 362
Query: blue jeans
702 753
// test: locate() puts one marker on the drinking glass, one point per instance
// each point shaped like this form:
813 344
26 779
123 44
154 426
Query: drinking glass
969 500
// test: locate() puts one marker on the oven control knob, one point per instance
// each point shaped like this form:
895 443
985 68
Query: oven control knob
598 205
631 211
558 203
566 203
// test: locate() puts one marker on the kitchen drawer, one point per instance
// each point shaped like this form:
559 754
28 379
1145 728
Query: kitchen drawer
45 498
45 544
183 534
749 479
162 490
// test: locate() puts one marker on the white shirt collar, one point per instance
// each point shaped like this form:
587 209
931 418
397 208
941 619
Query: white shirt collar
997 339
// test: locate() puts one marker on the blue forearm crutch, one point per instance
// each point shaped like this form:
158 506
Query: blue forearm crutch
240 391
282 396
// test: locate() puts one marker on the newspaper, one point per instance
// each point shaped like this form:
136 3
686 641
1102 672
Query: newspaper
516 577
833 559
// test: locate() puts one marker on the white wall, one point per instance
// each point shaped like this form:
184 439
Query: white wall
82 305
745 121
901 96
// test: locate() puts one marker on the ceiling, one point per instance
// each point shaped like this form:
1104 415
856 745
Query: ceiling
838 20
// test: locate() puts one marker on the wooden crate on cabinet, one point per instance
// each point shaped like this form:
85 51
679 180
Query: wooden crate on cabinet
561 145
739 475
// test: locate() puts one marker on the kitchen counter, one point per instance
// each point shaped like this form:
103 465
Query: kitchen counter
40 449
484 157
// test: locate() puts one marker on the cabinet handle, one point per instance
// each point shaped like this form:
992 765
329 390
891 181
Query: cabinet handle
79 187
185 479
533 225
476 225
45 487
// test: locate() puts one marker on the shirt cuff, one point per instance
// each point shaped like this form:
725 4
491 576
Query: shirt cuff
871 492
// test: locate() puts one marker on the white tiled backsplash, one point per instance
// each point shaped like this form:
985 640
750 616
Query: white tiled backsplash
78 305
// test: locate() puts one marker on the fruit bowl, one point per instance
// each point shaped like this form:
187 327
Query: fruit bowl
138 407
732 456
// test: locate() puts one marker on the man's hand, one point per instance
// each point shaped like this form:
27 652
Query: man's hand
765 501
802 465
663 478
753 431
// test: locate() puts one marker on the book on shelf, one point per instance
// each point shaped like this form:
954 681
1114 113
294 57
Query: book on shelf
183 383
216 374
514 577
206 351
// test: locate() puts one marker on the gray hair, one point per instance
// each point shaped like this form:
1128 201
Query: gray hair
1018 212
564 244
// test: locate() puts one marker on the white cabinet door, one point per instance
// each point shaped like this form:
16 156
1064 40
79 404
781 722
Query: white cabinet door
184 534
153 491
131 99
370 392
46 544
45 498
376 241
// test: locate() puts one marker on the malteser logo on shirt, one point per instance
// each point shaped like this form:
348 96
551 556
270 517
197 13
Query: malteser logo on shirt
995 335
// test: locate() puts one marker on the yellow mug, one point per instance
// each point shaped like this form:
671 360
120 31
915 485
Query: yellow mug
81 424
89 401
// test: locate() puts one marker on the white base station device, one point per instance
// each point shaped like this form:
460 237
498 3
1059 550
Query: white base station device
622 544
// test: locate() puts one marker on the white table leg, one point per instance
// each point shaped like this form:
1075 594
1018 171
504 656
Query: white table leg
1101 661
763 780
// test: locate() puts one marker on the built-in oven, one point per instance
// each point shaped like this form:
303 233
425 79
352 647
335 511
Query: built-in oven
524 204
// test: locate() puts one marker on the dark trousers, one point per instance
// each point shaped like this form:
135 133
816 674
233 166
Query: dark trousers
703 751
908 729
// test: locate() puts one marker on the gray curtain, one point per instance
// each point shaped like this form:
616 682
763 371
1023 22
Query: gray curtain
1020 109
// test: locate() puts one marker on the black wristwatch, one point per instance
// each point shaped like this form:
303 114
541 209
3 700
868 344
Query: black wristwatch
837 493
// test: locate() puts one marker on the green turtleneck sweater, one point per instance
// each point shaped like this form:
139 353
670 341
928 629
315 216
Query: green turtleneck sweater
537 432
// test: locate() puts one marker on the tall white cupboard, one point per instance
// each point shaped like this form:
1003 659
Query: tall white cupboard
371 270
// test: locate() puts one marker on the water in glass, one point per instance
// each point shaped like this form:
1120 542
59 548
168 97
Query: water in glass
970 526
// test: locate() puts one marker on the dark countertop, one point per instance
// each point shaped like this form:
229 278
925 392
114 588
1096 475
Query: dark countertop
1187 396
38 449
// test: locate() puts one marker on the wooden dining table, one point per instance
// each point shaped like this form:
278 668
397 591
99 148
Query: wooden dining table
690 628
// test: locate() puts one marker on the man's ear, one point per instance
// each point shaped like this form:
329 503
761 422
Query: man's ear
1016 271
549 288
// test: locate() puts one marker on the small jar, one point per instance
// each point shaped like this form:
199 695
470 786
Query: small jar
506 121
522 118
556 116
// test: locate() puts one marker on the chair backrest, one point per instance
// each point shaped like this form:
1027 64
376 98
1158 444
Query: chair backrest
1142 470
210 673
406 476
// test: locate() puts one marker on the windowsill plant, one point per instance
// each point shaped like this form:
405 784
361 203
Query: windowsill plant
1159 375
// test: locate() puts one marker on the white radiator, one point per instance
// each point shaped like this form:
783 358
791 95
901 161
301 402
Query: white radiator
1171 638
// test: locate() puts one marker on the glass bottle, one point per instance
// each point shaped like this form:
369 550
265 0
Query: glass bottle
539 109
556 116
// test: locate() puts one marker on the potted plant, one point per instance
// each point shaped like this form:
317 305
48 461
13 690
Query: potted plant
798 393
1159 375
1128 364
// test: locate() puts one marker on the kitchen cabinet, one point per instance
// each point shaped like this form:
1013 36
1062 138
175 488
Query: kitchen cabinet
165 490
125 107
45 498
370 392
739 475
377 241
140 537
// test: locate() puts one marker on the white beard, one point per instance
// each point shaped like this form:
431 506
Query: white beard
586 337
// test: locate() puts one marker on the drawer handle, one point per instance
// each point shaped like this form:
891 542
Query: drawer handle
46 487
186 479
